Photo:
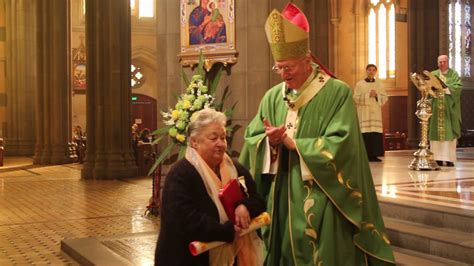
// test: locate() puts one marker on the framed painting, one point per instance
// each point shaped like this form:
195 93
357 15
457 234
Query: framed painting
79 68
207 26
79 77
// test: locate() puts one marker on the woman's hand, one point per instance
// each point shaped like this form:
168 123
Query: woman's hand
242 217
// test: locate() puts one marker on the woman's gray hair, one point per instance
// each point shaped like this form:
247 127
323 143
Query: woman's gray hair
204 118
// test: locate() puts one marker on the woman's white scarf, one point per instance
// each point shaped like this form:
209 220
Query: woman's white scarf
248 248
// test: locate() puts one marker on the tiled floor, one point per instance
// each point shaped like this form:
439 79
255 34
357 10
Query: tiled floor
449 187
40 206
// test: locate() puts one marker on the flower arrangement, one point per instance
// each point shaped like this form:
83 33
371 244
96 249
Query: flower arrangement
196 97
199 94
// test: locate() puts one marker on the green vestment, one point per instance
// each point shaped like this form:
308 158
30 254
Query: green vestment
334 218
445 121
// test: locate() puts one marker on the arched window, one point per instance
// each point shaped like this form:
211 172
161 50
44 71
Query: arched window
381 42
459 21
139 8
143 8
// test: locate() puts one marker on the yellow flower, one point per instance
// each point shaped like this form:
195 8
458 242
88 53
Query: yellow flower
180 137
186 104
175 114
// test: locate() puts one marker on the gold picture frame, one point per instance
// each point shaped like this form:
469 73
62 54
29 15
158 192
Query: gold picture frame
207 26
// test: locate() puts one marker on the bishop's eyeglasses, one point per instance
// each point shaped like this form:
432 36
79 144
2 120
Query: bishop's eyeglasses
280 69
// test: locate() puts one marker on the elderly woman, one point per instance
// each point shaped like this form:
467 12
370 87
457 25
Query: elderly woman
191 210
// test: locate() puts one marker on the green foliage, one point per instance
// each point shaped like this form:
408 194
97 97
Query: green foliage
200 93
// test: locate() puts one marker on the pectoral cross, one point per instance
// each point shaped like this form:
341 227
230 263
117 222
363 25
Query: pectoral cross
287 100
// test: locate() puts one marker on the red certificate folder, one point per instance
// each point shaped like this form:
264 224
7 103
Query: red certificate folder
229 195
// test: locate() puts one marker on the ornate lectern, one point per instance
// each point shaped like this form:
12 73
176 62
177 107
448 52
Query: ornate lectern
425 83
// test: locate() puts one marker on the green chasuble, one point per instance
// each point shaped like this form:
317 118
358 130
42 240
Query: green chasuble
333 218
445 121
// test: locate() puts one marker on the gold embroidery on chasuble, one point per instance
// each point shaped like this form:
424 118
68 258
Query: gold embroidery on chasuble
340 178
371 228
319 143
441 117
441 108
346 183
310 231
327 154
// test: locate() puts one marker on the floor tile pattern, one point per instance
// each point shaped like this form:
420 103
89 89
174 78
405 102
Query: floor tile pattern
40 206
451 187
137 250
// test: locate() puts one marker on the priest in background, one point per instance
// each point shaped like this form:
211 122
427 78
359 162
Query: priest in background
445 122
369 97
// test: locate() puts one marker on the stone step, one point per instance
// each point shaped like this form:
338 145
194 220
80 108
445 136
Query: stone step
429 214
431 240
410 258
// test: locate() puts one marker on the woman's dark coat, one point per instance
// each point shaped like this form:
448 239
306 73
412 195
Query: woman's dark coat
188 214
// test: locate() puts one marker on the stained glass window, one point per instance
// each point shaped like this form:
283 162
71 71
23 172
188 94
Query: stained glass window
140 8
459 16
143 8
137 76
146 8
381 41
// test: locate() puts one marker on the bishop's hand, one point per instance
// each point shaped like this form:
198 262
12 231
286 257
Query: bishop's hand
275 135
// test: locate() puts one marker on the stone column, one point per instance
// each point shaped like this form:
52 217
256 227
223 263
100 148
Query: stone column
3 62
108 96
20 77
335 19
360 32
423 34
53 94
318 17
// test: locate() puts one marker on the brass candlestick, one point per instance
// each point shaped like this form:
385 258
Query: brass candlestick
423 156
